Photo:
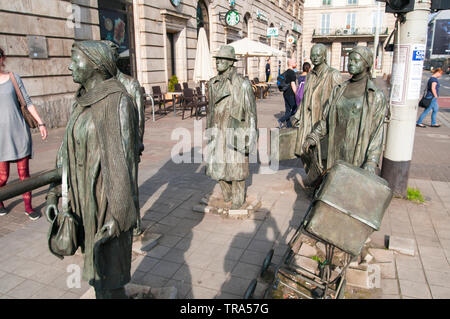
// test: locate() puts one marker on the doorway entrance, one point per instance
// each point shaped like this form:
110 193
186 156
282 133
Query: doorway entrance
171 65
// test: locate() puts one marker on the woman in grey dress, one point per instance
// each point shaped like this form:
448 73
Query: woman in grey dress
15 137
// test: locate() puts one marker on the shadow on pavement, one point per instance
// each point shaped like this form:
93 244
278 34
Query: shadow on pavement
166 201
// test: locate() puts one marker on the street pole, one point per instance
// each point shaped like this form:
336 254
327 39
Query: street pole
376 41
409 52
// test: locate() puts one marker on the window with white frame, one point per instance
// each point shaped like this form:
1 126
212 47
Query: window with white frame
351 2
325 24
326 2
377 20
351 20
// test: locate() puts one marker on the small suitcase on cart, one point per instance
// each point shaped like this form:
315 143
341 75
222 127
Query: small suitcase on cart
347 207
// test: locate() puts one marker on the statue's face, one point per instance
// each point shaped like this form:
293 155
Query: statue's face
223 64
318 55
81 67
356 64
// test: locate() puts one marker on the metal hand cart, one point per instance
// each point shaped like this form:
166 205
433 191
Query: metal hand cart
347 207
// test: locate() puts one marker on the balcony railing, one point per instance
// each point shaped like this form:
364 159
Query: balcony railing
348 32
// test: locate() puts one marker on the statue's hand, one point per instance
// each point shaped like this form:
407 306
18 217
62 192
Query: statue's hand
110 229
307 144
51 211
371 167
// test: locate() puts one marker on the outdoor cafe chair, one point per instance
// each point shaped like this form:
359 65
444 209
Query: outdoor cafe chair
159 98
254 88
202 102
188 101
148 100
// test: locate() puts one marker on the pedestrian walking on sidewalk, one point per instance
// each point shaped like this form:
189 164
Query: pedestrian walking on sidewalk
289 95
15 136
301 83
433 94
268 70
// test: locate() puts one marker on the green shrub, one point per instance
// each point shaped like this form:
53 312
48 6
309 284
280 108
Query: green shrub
415 195
173 80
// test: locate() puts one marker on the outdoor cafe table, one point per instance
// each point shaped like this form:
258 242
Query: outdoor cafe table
174 95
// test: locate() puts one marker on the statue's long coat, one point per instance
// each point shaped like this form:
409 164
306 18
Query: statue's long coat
369 130
100 152
231 105
318 87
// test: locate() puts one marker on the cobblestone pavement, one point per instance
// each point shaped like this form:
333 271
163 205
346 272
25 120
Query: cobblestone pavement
207 256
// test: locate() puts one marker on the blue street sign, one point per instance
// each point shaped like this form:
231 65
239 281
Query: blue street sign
418 55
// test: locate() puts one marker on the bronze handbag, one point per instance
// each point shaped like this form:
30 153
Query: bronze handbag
29 119
62 236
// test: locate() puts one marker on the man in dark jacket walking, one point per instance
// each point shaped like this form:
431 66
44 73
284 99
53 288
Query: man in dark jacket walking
289 95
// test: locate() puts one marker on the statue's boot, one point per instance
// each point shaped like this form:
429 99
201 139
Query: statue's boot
238 194
137 231
226 190
118 293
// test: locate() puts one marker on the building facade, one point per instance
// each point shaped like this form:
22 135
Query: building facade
156 38
168 34
344 24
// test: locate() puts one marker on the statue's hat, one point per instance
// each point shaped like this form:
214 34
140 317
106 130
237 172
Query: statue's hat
226 52
365 53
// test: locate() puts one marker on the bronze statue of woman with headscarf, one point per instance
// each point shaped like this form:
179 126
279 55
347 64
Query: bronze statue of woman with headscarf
353 117
98 159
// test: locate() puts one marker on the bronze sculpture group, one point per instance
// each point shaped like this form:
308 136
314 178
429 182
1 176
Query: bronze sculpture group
99 156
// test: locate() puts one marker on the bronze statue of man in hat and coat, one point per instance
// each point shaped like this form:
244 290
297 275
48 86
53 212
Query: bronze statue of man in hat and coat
319 85
231 128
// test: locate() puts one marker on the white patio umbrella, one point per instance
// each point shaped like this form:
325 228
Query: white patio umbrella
249 48
203 70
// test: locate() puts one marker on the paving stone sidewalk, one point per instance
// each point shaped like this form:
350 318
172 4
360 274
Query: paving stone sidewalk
207 256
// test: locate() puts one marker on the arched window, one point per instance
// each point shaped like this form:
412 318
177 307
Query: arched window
202 17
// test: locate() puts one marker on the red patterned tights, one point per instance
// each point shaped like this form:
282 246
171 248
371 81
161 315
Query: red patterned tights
24 172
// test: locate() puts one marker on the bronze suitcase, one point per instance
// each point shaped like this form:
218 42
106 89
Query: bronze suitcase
348 207
283 144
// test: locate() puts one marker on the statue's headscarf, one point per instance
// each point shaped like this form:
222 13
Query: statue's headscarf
114 47
100 54
365 53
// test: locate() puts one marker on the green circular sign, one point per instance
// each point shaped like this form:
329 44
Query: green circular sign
232 18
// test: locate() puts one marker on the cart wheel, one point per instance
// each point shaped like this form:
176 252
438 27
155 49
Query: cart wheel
267 262
317 293
341 294
251 289
287 260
